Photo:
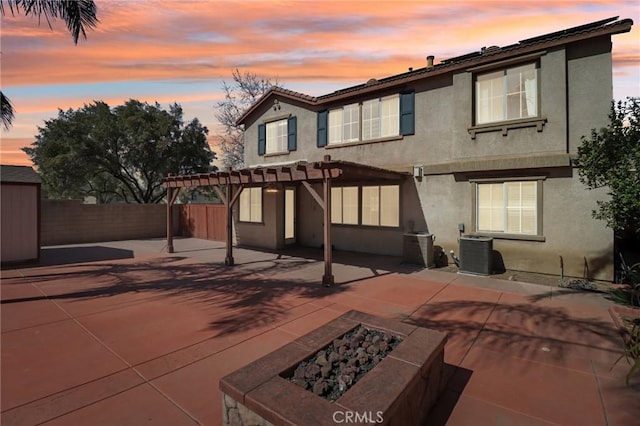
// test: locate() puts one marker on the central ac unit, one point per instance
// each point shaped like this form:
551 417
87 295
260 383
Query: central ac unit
476 254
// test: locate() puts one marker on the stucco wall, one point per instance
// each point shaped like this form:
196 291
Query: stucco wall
270 232
575 93
590 82
586 245
372 239
518 141
70 221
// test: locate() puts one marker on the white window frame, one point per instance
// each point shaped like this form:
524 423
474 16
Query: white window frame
505 219
493 94
390 116
276 136
335 127
250 205
351 123
371 119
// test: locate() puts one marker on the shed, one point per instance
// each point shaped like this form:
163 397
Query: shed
19 214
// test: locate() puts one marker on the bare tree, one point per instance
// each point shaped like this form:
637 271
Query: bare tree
244 91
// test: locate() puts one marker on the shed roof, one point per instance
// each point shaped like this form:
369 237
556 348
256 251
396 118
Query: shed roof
18 174
603 27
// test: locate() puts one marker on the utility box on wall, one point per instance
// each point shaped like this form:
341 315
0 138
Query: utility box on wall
417 249
476 254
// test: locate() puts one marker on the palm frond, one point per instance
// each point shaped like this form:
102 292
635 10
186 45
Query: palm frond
6 110
78 15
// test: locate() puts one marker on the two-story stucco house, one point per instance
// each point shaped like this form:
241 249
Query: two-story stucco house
479 144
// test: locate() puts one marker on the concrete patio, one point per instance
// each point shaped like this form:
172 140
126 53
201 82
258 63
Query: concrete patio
123 333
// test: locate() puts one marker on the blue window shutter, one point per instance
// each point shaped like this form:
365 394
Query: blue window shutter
292 133
323 117
407 114
262 139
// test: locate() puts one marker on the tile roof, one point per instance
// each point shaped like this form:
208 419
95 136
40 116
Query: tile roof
18 174
607 26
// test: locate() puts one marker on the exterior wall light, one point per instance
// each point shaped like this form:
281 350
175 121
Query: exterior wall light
271 188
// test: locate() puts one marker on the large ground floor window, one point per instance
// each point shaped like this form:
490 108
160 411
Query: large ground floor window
510 207
369 205
251 205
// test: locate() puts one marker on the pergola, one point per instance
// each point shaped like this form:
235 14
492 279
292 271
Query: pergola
230 183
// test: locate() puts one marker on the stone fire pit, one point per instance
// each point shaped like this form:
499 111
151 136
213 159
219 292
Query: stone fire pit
400 389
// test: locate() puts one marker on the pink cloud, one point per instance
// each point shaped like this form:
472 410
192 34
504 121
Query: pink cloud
303 41
198 40
11 151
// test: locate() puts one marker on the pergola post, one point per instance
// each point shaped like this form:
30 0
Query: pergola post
172 195
228 260
327 278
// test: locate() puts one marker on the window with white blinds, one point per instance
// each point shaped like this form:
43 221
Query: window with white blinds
344 205
344 124
276 137
507 94
509 207
373 119
351 123
371 205
251 205
381 205
377 205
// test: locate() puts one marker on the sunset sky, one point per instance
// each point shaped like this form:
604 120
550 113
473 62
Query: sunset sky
181 51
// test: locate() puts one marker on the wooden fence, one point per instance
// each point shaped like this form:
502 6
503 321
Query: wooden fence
205 221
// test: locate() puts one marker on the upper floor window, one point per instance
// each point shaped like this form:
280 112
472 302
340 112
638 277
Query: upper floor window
276 137
508 94
367 121
380 118
344 124
373 119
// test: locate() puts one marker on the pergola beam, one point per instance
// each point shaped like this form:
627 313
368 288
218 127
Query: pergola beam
255 177
313 193
220 194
